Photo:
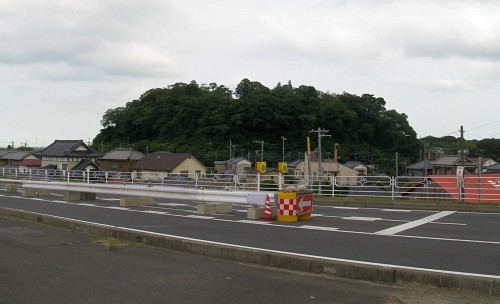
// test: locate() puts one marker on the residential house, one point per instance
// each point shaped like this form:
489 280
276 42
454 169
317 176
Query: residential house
358 167
3 152
447 165
492 169
162 164
30 162
346 175
485 162
237 165
422 168
120 160
13 158
67 154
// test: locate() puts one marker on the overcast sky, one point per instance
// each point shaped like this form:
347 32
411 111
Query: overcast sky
64 63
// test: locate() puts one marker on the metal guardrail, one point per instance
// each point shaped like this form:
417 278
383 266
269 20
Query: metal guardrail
447 188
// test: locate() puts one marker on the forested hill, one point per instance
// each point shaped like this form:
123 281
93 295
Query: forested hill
204 119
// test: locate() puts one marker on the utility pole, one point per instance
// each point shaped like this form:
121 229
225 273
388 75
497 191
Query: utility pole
283 139
261 142
462 154
321 133
397 164
231 151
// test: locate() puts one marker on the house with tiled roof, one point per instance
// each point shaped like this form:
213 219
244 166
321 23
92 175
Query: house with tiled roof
236 165
120 160
67 154
30 162
421 168
157 165
447 165
13 158
492 169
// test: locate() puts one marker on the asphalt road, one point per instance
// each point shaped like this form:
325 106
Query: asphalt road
42 264
443 241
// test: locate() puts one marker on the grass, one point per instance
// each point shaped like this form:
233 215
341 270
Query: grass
111 243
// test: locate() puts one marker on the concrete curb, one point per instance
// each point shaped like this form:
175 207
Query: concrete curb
330 267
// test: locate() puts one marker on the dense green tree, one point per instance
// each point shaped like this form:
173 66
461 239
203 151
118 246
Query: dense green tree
203 119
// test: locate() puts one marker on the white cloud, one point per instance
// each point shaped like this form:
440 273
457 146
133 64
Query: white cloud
424 57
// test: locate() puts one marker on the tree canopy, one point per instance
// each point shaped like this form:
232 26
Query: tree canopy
204 119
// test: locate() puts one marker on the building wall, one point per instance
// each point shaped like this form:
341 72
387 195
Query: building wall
116 165
190 166
63 163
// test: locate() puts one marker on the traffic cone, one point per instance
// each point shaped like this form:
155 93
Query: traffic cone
268 212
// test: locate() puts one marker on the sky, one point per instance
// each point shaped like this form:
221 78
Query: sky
64 63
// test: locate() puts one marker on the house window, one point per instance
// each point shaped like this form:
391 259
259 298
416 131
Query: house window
184 173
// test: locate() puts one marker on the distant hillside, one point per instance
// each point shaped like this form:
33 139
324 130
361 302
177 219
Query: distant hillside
204 119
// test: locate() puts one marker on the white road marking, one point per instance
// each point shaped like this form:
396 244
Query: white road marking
281 252
154 212
419 222
117 208
253 222
396 210
318 228
201 217
347 208
298 227
362 218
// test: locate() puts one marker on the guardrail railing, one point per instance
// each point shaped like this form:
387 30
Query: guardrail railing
477 189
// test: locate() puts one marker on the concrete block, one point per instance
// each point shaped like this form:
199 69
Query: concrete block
360 272
42 192
223 207
206 209
78 196
11 189
29 192
136 201
471 285
255 213
495 287
419 277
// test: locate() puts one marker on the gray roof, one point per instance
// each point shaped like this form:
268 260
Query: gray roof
420 165
68 148
161 161
236 160
351 164
123 154
84 164
493 168
451 161
17 155
6 151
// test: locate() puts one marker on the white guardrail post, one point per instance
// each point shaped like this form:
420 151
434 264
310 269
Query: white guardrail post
393 187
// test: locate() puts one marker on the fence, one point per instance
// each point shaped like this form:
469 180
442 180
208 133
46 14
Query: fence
475 189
